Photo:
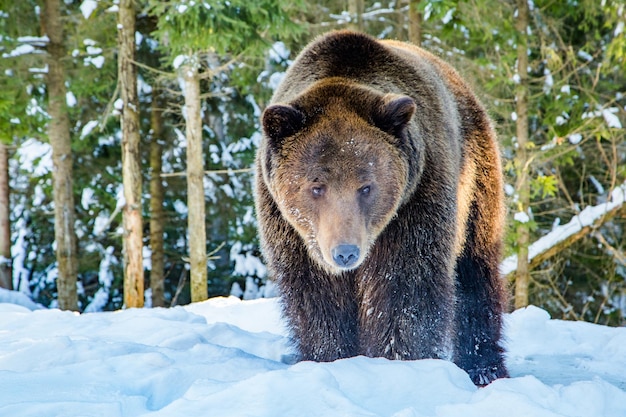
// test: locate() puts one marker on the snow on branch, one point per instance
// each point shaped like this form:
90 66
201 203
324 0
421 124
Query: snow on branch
560 236
28 45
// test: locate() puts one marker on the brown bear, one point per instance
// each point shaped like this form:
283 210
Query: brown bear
379 197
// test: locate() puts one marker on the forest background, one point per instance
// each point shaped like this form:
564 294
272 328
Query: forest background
128 131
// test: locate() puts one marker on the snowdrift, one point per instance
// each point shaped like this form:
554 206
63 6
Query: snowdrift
227 357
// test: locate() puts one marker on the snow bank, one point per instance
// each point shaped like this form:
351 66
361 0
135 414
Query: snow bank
16 301
224 357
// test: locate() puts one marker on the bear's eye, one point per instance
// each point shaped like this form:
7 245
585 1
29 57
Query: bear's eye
318 190
365 190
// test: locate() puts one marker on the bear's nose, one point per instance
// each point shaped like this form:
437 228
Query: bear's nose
345 255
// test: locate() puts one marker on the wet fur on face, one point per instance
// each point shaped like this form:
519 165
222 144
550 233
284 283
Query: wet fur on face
336 184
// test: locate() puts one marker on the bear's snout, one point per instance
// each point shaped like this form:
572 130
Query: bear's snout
345 255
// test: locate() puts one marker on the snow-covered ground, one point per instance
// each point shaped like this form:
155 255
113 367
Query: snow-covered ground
226 357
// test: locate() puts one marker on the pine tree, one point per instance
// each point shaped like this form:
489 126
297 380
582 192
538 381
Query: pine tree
157 284
6 270
572 155
59 135
415 22
195 182
522 185
206 44
131 159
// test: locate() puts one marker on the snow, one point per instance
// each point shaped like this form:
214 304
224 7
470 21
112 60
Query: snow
87 7
27 46
448 17
279 52
70 99
35 157
548 81
88 128
40 41
118 104
275 79
521 217
20 50
562 119
226 357
93 50
87 198
584 55
611 119
17 298
97 61
105 277
179 60
575 138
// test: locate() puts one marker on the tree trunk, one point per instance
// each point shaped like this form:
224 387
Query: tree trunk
62 175
415 23
356 9
156 203
6 270
195 186
522 274
131 158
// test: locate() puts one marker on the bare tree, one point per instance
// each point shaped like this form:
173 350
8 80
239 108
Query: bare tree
522 186
131 158
6 275
156 203
62 174
195 185
356 9
415 22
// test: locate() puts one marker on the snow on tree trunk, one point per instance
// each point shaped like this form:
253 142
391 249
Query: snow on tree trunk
522 186
59 136
195 185
131 159
6 276
156 203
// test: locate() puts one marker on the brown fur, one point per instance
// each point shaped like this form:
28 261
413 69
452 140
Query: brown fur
380 205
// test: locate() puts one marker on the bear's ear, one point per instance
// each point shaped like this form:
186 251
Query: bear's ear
394 114
280 121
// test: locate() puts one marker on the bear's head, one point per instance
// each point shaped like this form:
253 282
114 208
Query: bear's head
335 164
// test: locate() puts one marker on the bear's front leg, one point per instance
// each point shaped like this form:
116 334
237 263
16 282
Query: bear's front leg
480 305
407 299
321 312
320 309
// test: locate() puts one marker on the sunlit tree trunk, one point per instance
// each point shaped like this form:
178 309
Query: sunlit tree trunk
131 158
415 22
356 9
6 276
195 185
156 203
522 275
62 175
